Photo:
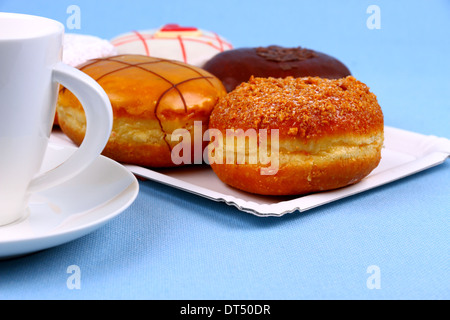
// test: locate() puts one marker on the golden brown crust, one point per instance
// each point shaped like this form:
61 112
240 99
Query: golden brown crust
150 98
301 108
296 179
330 134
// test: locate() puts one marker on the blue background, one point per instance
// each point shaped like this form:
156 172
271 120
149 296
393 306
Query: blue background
173 245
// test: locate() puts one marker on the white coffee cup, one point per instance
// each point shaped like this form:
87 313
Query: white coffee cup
30 73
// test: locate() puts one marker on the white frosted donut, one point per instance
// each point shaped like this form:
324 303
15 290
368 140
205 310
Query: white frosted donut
79 48
186 44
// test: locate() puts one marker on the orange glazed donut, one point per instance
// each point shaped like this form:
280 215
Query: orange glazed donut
150 97
322 134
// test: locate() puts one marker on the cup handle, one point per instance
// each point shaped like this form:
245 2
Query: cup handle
99 119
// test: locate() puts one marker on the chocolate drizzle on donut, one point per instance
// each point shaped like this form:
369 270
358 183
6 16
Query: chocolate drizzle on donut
142 66
280 54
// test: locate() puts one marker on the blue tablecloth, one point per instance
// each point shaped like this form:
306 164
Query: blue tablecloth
388 243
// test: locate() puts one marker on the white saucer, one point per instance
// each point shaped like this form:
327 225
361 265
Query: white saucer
73 209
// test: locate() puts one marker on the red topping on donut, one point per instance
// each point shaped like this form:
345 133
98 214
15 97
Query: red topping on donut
177 28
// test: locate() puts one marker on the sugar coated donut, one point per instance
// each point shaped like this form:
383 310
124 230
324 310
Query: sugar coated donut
186 44
236 66
79 48
296 136
151 98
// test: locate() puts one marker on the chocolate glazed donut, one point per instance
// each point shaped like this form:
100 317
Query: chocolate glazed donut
236 66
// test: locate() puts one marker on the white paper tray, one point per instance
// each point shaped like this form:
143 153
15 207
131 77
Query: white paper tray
404 154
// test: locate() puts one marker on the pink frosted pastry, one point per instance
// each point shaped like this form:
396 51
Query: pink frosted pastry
186 44
79 48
